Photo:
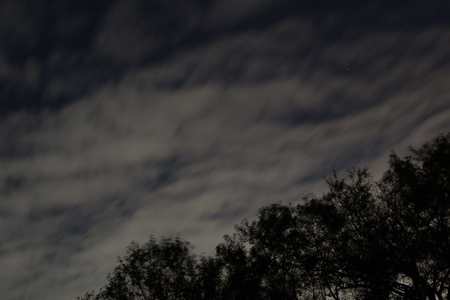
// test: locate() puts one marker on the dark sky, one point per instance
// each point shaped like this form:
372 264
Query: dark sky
125 119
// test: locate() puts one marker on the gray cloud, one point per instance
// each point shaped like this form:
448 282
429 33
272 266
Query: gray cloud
194 143
136 30
227 14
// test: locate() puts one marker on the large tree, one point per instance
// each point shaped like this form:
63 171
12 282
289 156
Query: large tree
362 239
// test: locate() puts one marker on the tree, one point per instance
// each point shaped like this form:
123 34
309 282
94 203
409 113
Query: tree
416 194
156 270
394 239
362 239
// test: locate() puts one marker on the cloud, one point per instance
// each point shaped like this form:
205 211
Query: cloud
136 30
228 14
199 140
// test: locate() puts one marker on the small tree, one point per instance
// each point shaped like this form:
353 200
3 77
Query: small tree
156 270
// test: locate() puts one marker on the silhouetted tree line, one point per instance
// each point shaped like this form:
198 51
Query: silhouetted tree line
363 239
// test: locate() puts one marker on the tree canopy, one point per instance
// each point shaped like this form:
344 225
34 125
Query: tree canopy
362 239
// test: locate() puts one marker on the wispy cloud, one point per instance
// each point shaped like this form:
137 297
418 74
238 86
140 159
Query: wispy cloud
197 141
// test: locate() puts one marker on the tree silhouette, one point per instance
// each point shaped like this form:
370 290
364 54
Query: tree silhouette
362 239
156 270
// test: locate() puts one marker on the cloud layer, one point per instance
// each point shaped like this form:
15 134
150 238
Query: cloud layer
177 119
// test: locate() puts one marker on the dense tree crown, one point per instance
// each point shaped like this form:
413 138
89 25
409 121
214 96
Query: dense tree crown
362 239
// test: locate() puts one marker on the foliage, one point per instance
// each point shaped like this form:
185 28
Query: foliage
360 240
156 270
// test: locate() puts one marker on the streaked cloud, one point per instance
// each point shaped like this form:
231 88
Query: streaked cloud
195 141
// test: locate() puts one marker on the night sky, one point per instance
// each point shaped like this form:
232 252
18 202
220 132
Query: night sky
125 119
